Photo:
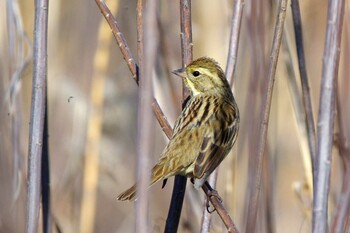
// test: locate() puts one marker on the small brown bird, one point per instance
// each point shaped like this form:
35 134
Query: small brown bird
205 131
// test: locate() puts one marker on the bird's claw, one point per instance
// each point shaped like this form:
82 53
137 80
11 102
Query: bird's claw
212 193
208 206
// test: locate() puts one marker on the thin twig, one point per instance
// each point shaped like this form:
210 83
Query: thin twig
206 219
343 205
119 37
45 175
175 208
37 115
162 120
253 204
347 224
186 37
234 40
128 57
220 209
139 20
299 113
342 210
269 176
326 115
309 118
186 32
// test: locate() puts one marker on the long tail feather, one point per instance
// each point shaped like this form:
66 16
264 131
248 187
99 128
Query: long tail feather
128 195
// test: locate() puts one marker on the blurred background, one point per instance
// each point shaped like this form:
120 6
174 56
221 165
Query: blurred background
92 101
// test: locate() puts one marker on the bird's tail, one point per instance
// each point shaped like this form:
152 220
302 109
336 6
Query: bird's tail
130 194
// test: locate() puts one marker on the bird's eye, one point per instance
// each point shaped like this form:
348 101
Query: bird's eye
195 73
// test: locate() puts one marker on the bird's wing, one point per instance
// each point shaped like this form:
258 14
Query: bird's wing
178 155
217 141
182 148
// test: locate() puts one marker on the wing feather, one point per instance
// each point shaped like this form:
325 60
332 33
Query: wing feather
218 141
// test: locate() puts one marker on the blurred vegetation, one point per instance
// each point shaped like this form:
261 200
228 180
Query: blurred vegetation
74 43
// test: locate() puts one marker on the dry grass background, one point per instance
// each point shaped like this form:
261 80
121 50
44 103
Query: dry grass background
74 66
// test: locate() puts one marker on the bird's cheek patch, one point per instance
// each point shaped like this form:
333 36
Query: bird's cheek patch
192 86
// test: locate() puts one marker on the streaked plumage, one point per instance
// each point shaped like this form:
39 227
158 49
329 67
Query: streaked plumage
205 131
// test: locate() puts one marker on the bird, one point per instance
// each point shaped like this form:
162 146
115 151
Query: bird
204 132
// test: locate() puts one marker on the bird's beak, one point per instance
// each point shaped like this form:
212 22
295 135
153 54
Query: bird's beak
180 72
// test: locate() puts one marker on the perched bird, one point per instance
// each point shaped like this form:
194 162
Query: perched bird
205 131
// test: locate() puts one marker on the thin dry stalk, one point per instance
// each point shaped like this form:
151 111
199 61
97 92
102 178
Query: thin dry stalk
326 115
119 37
206 219
162 120
37 115
269 180
128 57
45 177
216 201
220 209
186 33
342 209
253 204
139 20
147 46
174 213
303 136
307 103
347 224
234 40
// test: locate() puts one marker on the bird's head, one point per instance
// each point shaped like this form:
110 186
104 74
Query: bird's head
203 75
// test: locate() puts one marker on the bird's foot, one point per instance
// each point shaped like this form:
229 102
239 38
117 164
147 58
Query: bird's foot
212 193
208 206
